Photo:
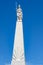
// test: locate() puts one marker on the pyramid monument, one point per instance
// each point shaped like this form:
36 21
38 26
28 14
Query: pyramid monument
18 56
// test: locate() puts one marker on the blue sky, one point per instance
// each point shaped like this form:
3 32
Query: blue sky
33 30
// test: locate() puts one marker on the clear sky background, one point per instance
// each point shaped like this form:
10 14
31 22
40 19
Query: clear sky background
33 30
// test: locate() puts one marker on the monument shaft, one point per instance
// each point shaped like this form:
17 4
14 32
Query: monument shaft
18 57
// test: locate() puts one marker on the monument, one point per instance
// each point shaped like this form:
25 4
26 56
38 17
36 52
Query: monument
18 56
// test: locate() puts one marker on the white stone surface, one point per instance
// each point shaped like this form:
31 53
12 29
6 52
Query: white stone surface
18 57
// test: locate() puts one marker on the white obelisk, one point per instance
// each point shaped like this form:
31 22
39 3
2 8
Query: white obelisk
18 57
